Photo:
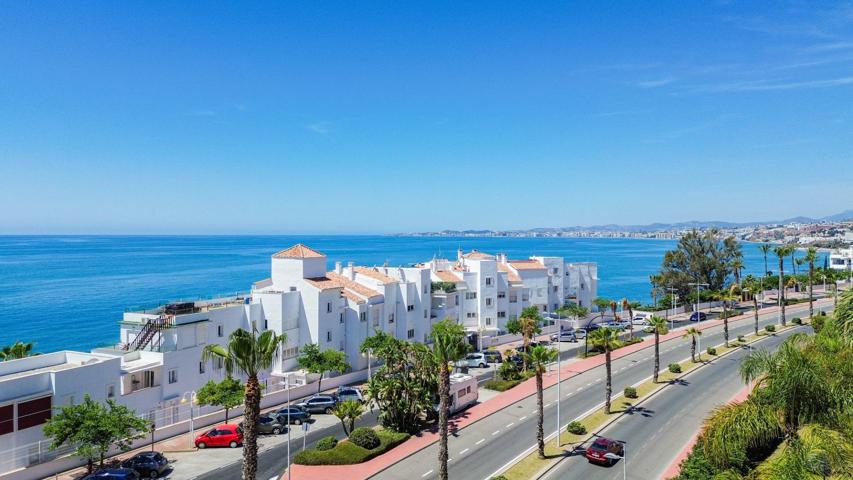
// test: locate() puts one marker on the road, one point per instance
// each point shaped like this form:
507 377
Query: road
481 448
662 425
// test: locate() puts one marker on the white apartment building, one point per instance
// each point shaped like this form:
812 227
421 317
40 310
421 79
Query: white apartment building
841 259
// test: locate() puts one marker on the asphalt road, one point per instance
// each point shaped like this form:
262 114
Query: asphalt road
481 448
660 427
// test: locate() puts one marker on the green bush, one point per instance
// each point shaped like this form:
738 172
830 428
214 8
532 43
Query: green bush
576 427
348 453
712 351
365 438
499 477
770 328
500 385
741 338
797 321
822 313
509 371
630 392
674 368
818 323
326 443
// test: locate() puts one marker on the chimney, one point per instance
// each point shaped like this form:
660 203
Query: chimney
351 268
459 254
338 268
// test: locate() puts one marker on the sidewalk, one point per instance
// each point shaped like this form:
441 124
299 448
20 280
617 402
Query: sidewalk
482 410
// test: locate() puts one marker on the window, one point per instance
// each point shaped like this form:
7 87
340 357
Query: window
200 367
7 419
173 375
513 299
540 292
328 307
329 336
292 289
501 294
426 314
391 318
219 330
471 315
111 390
501 314
555 288
218 363
488 302
555 270
362 316
488 321
456 300
33 412
555 307
375 317
290 352
410 308
411 333
426 290
488 281
342 317
470 295
266 324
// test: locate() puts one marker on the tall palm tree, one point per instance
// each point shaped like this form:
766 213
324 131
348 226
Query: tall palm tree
529 322
765 249
626 305
613 306
754 288
17 350
656 281
811 256
448 346
727 296
608 339
659 326
249 354
737 267
782 251
693 333
601 304
539 358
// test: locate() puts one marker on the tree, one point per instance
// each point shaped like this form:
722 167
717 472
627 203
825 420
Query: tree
17 350
765 249
319 362
782 252
613 306
607 339
249 354
448 346
539 358
693 333
811 256
727 296
348 412
659 326
754 288
403 386
601 304
227 394
93 429
737 267
626 305
528 325
656 282
702 257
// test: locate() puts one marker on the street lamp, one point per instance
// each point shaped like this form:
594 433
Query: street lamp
286 384
672 295
191 401
623 457
698 315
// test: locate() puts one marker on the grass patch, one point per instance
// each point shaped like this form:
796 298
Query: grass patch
348 453
500 385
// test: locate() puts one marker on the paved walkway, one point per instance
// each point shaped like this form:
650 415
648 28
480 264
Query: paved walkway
484 409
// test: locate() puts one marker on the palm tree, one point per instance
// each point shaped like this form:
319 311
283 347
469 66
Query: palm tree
613 306
727 296
448 346
811 256
601 304
248 353
348 412
529 322
656 281
737 266
754 288
608 339
782 252
626 305
539 358
659 326
17 350
765 249
693 333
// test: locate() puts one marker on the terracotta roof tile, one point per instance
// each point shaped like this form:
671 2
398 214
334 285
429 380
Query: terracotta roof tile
299 251
526 265
375 274
477 255
447 276
511 274
354 286
324 283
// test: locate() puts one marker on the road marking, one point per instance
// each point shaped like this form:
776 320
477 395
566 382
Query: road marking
588 384
547 405
426 474
510 424
522 418
579 389
463 451
480 441
496 432
568 395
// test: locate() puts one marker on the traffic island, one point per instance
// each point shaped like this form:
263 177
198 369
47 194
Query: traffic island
347 452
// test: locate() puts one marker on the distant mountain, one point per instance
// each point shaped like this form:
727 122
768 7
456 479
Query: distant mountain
839 217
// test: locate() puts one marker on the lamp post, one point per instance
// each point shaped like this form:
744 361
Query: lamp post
191 400
559 357
698 314
286 384
624 459
672 295
153 427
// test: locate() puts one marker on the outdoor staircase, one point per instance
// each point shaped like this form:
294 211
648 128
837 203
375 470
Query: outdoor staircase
153 327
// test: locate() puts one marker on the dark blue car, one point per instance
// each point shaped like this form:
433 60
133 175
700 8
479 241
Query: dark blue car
147 464
698 317
113 474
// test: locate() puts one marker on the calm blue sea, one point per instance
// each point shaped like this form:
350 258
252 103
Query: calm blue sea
69 292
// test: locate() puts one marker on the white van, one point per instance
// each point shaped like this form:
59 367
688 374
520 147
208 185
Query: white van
463 392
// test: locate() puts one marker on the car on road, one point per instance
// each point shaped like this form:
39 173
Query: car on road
319 404
617 325
593 326
493 356
597 452
227 435
113 474
564 336
515 359
580 333
269 424
472 360
147 464
521 349
698 316
349 393
641 319
292 414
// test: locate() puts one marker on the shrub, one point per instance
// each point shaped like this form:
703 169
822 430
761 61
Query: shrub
348 453
630 392
822 313
741 338
509 371
797 321
499 477
576 428
712 351
500 385
326 443
674 368
818 323
365 438
770 328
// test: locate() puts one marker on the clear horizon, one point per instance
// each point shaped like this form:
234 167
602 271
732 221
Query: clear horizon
382 118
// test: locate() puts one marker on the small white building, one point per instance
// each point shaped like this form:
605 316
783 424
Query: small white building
841 259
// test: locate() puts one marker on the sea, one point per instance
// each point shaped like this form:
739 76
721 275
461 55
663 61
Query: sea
69 292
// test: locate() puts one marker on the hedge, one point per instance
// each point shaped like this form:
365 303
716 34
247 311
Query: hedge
348 453
576 427
741 338
326 443
500 385
365 438
797 321
770 328
630 392
712 351
674 368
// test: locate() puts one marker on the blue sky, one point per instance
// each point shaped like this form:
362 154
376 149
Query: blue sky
374 117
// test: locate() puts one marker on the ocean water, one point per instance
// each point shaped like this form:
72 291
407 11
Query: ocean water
69 292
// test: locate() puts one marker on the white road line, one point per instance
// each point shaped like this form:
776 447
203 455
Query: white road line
426 474
568 395
496 432
510 424
579 389
463 451
522 418
588 384
547 405
480 441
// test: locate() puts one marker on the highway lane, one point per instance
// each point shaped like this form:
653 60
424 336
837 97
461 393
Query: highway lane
478 450
661 426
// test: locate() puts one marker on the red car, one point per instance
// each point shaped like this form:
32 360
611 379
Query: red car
597 452
221 436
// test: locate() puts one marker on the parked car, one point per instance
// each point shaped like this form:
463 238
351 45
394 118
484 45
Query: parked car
698 316
521 349
564 336
597 452
580 333
516 359
292 414
319 404
493 356
641 319
471 360
113 474
349 393
147 464
617 325
593 326
269 424
222 436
